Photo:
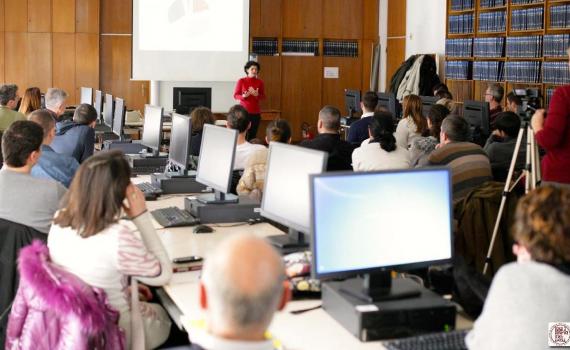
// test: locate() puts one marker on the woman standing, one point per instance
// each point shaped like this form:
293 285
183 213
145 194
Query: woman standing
249 91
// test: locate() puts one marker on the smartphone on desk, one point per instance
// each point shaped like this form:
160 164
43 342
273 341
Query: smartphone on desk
187 259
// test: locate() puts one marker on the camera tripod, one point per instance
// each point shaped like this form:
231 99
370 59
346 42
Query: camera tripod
531 172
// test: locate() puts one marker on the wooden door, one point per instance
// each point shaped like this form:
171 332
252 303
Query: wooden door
396 43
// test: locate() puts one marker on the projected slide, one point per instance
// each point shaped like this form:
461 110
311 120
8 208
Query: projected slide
190 25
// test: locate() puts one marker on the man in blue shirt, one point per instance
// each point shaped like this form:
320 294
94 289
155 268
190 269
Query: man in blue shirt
358 131
51 164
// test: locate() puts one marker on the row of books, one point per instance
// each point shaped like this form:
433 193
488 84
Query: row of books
526 19
488 70
493 21
524 71
489 47
458 5
458 69
265 47
555 45
556 73
560 16
340 48
459 24
491 3
524 46
459 47
309 47
523 2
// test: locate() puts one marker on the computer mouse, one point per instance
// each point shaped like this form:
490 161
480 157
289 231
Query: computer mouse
203 229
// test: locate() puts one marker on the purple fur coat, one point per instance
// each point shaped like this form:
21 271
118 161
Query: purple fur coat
54 309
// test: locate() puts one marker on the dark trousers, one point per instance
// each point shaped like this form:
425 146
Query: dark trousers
252 132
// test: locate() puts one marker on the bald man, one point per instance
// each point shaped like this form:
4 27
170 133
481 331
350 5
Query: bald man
243 284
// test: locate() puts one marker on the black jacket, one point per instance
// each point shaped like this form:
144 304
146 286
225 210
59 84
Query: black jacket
340 151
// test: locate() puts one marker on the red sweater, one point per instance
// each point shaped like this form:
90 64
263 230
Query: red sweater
555 138
250 103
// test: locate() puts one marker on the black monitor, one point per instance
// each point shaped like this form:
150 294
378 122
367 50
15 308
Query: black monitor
98 103
286 190
119 117
108 110
477 115
427 102
180 138
352 102
152 128
186 99
390 102
87 95
217 153
359 227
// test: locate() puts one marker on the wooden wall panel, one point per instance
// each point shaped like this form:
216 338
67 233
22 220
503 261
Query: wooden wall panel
39 60
117 16
87 62
16 15
366 54
301 98
265 18
2 15
303 18
271 75
63 64
349 78
342 19
2 57
16 59
463 89
63 16
370 19
87 16
396 18
39 16
395 55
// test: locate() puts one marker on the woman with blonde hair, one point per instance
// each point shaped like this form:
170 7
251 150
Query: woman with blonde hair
31 101
413 123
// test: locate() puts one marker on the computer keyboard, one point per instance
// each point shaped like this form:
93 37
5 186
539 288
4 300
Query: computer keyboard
145 170
147 187
174 217
454 340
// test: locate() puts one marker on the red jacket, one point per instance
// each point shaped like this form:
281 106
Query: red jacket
555 138
250 103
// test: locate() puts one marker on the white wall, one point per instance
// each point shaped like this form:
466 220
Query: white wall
222 93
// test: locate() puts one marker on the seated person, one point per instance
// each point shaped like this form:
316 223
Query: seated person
358 130
328 140
469 164
52 165
8 101
253 178
514 103
238 119
382 152
529 294
25 199
423 146
76 138
494 95
199 117
413 123
500 145
242 286
55 100
89 239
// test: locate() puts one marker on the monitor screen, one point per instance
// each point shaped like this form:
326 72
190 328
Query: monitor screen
477 115
390 102
427 102
217 153
186 99
87 95
362 222
286 189
108 110
152 128
119 117
98 103
180 140
352 101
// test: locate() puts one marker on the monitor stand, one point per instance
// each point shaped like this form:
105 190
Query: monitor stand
292 241
378 287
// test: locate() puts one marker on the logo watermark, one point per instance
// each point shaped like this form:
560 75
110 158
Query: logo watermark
559 334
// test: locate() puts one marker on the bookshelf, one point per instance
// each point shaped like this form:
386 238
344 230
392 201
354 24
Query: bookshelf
516 43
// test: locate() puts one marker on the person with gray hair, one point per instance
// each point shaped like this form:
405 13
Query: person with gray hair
55 101
470 166
328 140
243 285
494 95
8 101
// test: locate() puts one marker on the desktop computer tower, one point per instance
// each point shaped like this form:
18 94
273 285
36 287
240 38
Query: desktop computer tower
367 321
173 184
245 209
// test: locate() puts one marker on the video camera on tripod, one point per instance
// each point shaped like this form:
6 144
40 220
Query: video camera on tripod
531 101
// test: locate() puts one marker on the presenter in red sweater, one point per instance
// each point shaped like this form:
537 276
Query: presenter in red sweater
249 91
553 134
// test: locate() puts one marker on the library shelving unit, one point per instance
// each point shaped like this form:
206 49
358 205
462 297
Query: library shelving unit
516 43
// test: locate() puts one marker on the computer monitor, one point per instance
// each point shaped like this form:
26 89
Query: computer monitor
180 137
119 117
371 222
215 165
286 190
352 102
390 102
108 110
152 128
98 103
87 95
186 99
477 115
427 102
